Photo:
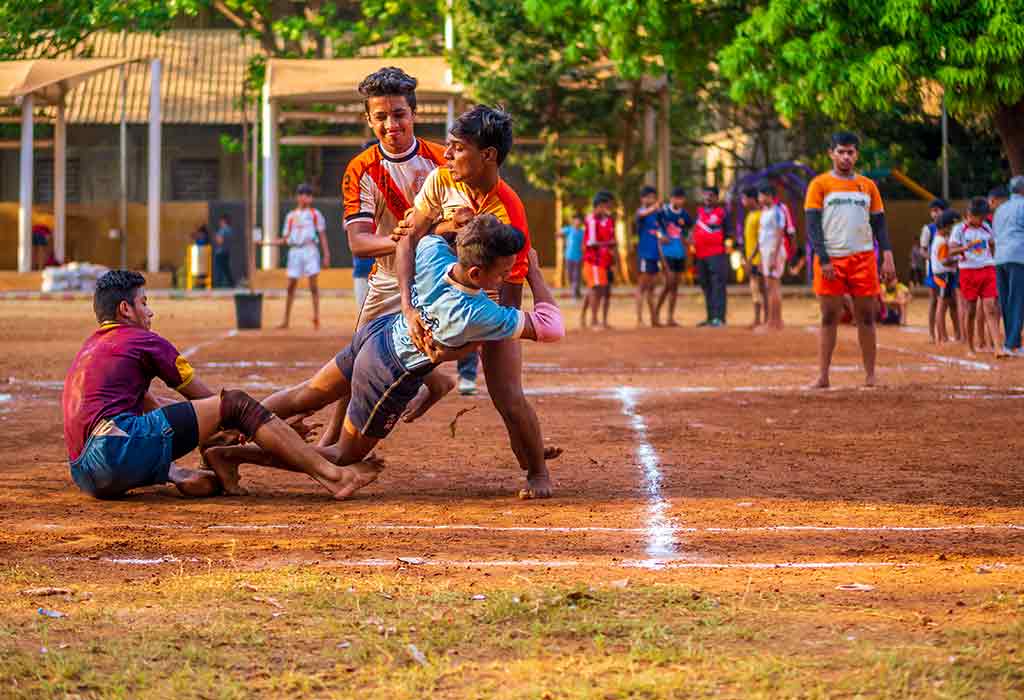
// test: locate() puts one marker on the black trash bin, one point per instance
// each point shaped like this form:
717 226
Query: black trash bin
249 310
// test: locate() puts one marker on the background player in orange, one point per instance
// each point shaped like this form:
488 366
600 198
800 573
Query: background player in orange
844 215
478 143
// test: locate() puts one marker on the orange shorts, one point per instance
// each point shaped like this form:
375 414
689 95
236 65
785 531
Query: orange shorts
596 275
856 275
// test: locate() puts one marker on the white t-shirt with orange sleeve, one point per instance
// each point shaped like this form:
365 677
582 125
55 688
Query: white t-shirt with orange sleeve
846 205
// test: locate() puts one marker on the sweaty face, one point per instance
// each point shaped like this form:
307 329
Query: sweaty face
465 160
843 158
391 120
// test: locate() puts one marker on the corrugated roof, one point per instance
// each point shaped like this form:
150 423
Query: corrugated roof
203 73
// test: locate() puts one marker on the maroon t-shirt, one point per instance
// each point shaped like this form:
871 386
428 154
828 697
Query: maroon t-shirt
111 375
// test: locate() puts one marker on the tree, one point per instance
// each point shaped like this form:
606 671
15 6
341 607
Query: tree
846 58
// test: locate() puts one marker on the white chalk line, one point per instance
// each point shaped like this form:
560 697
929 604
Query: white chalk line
189 352
659 532
943 359
653 564
700 530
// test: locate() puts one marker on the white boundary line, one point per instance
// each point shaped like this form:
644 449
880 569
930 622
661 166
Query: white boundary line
189 352
943 359
659 532
700 530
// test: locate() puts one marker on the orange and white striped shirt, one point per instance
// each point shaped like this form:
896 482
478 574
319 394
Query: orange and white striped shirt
846 205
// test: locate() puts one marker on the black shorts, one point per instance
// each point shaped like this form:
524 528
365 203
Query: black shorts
676 265
649 266
945 285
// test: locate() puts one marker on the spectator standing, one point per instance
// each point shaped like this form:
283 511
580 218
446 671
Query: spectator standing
678 223
771 245
222 276
751 253
649 231
972 240
1008 229
572 235
305 234
599 257
712 261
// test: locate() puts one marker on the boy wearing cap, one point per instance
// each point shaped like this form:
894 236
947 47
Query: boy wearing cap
305 234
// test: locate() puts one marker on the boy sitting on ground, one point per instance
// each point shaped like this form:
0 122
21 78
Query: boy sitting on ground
380 373
120 437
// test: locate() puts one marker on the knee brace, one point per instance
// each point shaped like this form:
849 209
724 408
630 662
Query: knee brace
241 412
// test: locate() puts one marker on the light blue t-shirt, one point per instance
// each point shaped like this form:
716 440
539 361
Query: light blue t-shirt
1008 228
456 315
573 243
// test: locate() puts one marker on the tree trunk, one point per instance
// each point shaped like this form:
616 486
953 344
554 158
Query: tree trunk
1010 125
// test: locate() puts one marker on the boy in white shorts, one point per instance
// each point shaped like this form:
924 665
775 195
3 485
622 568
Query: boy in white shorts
305 234
770 244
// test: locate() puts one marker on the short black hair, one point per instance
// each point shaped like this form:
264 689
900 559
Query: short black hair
979 207
1000 192
844 138
304 189
603 197
646 190
766 188
938 203
485 127
948 218
709 188
678 192
113 288
389 82
485 239
749 192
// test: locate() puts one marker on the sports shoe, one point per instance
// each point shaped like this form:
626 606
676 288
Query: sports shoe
716 323
467 387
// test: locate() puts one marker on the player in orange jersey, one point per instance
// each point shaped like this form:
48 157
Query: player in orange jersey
844 217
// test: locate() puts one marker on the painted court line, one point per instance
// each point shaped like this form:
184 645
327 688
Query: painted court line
944 359
702 530
189 352
659 532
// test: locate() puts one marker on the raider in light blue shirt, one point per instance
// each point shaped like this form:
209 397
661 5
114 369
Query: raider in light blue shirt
1008 227
456 315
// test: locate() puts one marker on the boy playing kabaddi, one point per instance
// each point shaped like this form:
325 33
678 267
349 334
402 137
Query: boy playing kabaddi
120 437
382 370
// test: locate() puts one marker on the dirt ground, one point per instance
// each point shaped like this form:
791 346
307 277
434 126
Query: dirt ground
696 468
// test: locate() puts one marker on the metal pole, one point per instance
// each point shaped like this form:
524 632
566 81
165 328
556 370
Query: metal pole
271 254
945 149
124 169
60 162
153 195
25 193
254 195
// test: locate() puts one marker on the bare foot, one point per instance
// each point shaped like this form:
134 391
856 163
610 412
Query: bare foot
354 477
282 326
195 483
671 323
552 452
316 324
424 399
538 485
870 381
657 324
821 383
606 327
225 469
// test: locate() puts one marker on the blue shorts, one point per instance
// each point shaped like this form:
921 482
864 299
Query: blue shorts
649 266
124 453
381 385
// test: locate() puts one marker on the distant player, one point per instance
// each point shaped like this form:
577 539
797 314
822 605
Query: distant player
751 252
572 237
943 265
844 217
120 437
599 256
649 230
708 236
677 222
305 234
972 239
382 371
935 209
771 246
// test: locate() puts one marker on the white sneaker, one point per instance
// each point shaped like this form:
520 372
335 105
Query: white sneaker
467 387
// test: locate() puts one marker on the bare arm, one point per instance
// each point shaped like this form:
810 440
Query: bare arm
363 241
545 310
409 232
195 390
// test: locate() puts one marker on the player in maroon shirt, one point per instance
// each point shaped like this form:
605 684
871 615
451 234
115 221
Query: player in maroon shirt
120 437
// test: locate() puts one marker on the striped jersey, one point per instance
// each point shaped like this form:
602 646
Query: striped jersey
847 204
381 187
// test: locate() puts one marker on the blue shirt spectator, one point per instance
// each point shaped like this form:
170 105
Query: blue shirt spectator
1008 225
677 224
573 242
649 227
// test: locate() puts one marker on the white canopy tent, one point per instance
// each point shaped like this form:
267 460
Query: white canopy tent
310 81
46 82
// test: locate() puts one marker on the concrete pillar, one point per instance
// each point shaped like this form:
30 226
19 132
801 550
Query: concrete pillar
153 194
26 184
665 144
271 254
60 177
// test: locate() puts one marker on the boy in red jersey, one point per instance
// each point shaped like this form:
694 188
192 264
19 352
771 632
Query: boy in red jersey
598 259
708 237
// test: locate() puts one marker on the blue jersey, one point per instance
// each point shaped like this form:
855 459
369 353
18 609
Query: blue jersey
454 314
649 227
677 224
573 243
